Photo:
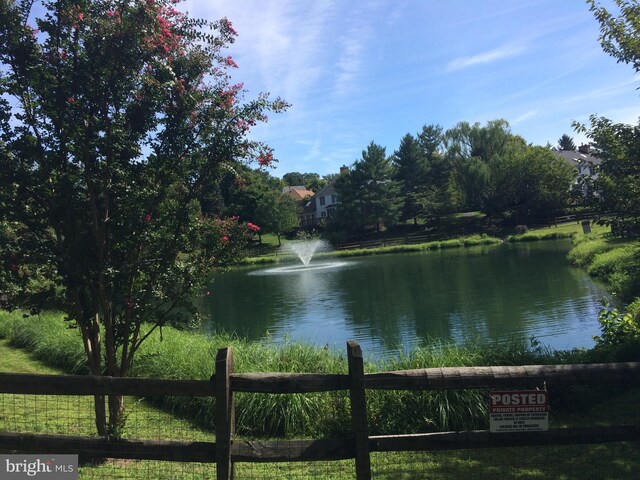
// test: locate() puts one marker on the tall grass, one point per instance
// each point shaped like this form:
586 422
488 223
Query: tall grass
615 261
535 236
187 355
468 241
586 247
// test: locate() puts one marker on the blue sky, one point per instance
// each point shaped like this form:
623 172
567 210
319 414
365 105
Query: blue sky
362 71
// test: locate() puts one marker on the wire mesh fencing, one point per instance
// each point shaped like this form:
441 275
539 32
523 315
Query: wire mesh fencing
63 406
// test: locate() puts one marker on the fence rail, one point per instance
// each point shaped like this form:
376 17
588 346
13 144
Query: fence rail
227 449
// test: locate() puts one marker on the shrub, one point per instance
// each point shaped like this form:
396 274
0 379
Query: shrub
617 327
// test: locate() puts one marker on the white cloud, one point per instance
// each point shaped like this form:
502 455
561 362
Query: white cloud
350 63
611 90
490 56
281 45
525 116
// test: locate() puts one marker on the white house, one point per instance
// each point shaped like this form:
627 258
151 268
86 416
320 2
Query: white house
585 163
321 206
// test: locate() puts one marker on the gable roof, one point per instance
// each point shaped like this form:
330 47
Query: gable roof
328 189
298 192
578 158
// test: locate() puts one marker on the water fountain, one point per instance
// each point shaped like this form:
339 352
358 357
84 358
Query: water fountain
306 249
302 251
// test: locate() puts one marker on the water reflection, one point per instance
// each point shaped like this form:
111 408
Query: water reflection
394 301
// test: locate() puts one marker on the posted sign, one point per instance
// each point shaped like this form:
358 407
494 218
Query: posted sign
519 411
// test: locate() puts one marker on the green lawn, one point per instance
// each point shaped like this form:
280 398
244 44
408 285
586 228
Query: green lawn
63 415
567 229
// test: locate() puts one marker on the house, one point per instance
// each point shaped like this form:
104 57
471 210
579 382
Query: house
322 206
300 193
584 162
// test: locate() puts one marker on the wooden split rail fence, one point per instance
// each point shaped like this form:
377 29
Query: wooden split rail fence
227 450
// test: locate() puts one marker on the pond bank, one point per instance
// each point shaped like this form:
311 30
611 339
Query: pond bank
552 232
185 355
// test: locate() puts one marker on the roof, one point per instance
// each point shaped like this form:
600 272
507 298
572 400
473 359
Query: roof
329 189
577 158
298 192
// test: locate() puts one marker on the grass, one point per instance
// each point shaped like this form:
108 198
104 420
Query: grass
466 241
616 261
563 230
560 231
606 461
186 355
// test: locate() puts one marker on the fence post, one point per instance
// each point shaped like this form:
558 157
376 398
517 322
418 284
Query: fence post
225 414
359 410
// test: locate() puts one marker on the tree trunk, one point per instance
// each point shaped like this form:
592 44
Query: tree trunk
101 414
116 415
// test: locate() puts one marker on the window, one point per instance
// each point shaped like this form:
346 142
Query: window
322 200
323 214
333 199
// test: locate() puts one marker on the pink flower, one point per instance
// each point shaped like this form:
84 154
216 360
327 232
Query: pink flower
80 16
147 217
229 26
231 62
225 238
71 100
265 159
253 227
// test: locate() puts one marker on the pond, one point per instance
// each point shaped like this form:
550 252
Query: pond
392 302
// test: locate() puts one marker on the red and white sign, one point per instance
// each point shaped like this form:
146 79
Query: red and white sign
519 411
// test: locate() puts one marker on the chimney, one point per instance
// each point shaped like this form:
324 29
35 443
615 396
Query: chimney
584 149
344 170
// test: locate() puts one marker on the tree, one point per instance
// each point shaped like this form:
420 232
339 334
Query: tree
544 182
121 113
618 181
434 195
282 217
565 142
311 181
620 36
470 150
369 196
293 178
618 145
410 172
256 197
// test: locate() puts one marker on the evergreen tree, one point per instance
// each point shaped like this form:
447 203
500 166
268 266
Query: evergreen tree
434 195
565 142
410 173
369 194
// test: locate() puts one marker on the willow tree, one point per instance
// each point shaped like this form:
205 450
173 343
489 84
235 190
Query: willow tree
115 115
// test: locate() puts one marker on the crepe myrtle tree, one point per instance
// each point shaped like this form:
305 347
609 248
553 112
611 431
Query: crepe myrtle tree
114 117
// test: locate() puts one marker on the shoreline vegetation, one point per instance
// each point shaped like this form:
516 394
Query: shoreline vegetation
561 231
182 354
178 354
619 458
